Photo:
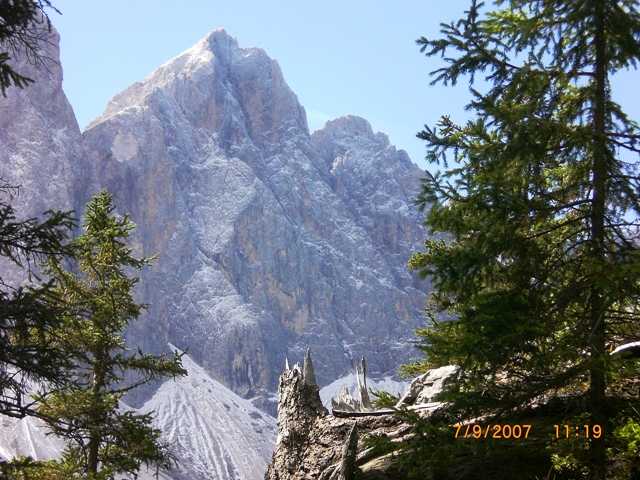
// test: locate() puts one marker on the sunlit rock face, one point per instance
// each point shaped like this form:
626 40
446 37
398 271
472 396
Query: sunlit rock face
270 240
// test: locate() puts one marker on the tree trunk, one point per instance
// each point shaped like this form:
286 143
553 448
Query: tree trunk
99 373
597 386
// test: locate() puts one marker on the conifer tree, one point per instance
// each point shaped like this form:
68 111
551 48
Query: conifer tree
24 27
537 212
104 438
28 313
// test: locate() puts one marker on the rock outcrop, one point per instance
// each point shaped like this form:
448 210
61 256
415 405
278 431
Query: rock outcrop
423 389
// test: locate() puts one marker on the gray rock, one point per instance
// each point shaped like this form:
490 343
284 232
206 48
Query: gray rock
270 239
41 145
423 389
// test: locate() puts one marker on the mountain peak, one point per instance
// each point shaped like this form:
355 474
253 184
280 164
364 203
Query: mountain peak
269 239
351 124
219 34
218 42
220 87
347 133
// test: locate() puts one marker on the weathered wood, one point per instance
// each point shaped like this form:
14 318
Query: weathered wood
375 413
349 452
386 411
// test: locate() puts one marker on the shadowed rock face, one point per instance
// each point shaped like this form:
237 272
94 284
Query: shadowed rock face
269 239
40 143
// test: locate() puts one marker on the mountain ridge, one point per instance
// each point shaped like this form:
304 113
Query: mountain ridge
271 239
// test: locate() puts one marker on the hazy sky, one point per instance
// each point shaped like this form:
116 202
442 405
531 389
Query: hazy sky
339 56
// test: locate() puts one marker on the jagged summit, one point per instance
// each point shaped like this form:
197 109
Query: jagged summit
350 125
218 86
269 239
349 133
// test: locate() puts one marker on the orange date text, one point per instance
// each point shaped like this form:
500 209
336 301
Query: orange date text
475 430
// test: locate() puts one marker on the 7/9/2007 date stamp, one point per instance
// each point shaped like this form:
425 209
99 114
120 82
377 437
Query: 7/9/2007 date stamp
522 431
491 431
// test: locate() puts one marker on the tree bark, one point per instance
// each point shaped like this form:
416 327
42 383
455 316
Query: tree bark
597 386
93 446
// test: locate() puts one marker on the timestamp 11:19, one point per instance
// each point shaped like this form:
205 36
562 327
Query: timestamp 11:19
584 431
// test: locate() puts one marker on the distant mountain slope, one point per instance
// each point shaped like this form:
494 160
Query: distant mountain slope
27 437
214 433
270 241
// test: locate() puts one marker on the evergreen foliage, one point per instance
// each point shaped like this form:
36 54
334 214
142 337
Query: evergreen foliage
104 438
30 313
24 26
537 259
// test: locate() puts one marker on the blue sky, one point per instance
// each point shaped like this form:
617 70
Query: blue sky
339 56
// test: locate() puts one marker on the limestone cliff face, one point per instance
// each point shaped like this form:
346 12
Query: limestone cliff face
40 142
269 239
41 149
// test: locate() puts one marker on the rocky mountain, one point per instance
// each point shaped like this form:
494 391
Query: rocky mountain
270 239
41 145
